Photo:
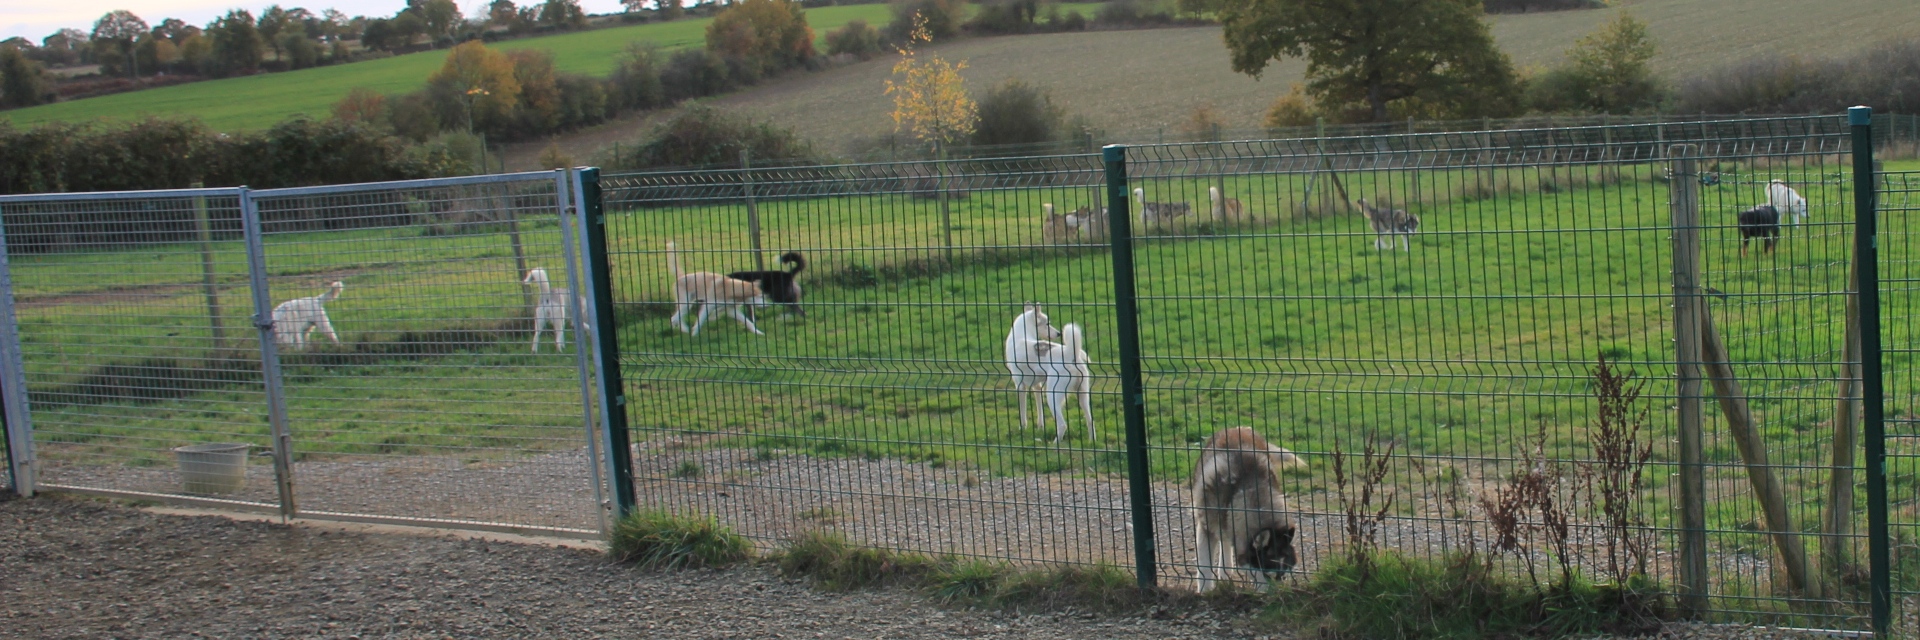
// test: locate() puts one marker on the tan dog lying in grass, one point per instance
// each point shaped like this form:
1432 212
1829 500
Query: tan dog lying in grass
709 290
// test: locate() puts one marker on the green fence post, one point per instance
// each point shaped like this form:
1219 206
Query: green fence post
606 340
1133 396
1872 392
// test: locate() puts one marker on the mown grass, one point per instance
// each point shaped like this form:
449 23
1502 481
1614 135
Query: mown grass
259 101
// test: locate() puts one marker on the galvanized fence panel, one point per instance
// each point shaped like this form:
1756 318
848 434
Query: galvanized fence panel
133 319
1467 347
885 413
1899 205
425 390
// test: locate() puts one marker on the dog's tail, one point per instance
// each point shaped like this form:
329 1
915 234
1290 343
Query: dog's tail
1140 195
1284 459
333 291
794 258
673 261
1046 209
1213 193
1071 338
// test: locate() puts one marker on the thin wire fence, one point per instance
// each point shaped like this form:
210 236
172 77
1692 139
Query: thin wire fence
425 387
1900 300
885 413
133 314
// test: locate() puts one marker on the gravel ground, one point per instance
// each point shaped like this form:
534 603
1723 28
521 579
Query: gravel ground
79 568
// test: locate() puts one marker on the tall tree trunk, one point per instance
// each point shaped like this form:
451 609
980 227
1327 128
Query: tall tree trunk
1379 105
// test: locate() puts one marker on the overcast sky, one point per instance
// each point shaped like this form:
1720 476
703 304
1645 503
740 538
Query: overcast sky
36 18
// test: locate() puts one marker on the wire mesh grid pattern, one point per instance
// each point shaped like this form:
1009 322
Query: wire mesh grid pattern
404 373
133 314
1266 299
1899 203
425 386
1467 342
885 412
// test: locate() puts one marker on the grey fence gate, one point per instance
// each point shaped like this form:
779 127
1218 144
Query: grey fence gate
398 379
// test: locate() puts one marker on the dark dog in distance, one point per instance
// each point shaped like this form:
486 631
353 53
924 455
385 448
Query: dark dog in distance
781 287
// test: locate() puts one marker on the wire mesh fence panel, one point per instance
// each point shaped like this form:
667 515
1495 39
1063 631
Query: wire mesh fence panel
134 318
1426 314
425 331
1899 204
882 406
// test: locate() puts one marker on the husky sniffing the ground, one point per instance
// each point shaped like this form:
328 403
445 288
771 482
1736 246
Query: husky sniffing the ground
1239 518
1388 224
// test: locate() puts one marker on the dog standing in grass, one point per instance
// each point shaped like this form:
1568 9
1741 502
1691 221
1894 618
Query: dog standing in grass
1029 373
551 309
1388 223
709 290
1239 517
1065 365
294 321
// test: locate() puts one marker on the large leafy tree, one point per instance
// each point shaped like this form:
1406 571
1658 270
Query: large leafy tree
237 46
1433 58
771 34
476 86
119 30
23 83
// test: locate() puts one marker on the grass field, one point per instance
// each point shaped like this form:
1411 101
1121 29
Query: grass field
256 102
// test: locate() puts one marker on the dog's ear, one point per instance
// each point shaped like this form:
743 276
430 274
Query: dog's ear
1260 539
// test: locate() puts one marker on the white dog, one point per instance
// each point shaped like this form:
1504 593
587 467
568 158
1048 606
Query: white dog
1029 374
294 320
1787 201
710 290
1065 365
551 310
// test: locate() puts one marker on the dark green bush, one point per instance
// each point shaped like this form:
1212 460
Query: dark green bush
942 17
703 136
1885 77
857 39
695 73
1005 17
635 81
1018 113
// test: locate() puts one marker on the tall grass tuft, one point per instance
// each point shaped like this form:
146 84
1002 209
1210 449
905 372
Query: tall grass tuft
664 540
832 562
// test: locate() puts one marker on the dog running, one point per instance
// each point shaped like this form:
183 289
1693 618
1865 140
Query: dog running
780 286
709 290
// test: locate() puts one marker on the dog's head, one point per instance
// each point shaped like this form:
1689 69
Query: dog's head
1039 324
1271 551
535 276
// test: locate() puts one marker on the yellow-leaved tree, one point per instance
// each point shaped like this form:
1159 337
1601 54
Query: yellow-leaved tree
476 86
929 96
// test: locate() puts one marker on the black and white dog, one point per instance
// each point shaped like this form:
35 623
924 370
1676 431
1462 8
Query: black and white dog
779 286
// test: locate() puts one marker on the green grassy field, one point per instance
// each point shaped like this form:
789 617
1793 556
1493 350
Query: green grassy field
256 102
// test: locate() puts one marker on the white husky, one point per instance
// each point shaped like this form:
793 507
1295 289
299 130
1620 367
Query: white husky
1065 364
551 309
1787 201
1028 372
294 320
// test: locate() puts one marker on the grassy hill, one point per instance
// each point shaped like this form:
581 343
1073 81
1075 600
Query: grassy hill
258 101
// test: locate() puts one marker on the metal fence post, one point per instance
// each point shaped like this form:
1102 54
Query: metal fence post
1872 392
753 208
1133 393
1688 345
613 397
21 463
582 329
269 353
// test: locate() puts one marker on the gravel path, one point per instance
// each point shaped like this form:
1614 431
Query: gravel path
79 568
